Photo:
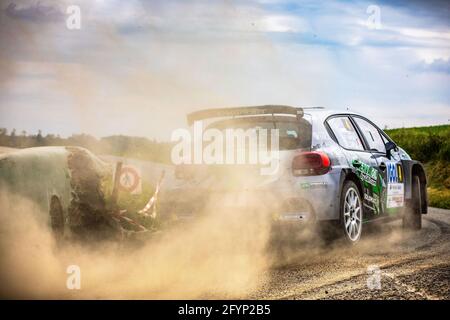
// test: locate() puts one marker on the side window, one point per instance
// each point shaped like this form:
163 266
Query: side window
345 133
371 134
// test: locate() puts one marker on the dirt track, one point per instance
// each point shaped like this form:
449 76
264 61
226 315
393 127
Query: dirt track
6 149
412 266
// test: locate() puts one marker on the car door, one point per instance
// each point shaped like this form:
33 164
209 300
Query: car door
390 167
361 160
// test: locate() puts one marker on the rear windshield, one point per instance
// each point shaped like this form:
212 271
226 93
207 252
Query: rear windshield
294 133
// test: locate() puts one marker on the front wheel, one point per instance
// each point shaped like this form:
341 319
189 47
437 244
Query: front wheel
351 212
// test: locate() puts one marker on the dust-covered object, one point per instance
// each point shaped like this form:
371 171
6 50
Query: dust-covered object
70 187
37 174
87 213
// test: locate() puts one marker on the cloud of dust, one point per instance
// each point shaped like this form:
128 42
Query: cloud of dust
224 254
315 245
26 251
220 255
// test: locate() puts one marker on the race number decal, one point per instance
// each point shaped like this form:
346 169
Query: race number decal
395 188
395 172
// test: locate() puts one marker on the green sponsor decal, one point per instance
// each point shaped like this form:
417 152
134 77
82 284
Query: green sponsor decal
365 172
373 184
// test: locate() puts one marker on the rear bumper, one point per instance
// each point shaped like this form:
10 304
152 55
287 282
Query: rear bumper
297 200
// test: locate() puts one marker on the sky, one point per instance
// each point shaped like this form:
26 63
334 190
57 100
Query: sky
138 67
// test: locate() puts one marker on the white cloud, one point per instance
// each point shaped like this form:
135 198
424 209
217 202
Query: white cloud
282 23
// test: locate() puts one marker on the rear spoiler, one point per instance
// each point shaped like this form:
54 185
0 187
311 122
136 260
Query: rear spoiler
243 111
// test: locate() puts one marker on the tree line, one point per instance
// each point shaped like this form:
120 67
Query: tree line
118 145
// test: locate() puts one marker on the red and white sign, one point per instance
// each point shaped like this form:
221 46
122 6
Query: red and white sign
130 179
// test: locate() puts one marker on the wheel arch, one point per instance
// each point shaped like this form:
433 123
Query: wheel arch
348 174
415 168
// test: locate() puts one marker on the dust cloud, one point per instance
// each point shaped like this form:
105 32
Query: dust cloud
224 254
221 255
316 245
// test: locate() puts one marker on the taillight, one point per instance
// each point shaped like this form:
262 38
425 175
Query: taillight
311 164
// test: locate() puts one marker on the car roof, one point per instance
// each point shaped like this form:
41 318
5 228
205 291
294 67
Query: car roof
319 113
323 113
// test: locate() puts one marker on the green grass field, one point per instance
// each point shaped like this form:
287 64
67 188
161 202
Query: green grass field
431 146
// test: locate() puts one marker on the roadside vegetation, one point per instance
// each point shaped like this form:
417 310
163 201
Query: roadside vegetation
431 146
123 146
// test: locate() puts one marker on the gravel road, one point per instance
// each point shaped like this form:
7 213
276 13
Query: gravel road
411 266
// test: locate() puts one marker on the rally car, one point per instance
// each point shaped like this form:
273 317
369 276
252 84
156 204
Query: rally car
335 168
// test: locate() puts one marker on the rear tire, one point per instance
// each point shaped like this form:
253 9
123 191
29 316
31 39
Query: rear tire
351 213
335 230
412 217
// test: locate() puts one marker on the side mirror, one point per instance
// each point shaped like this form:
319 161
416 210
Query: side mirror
389 147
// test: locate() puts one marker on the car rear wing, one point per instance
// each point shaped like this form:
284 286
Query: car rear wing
243 111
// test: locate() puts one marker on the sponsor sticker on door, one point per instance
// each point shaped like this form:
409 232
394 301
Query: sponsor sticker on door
395 195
